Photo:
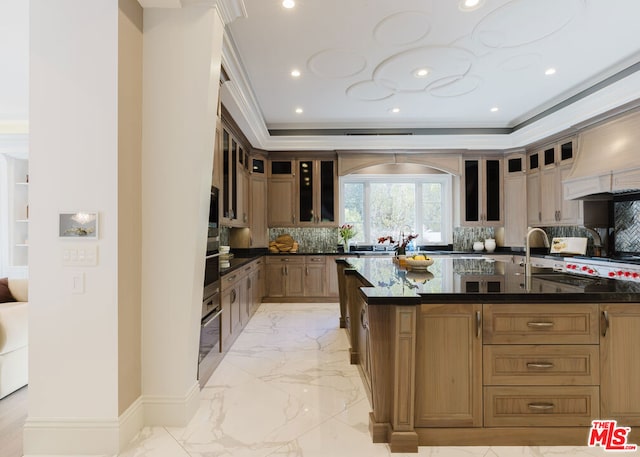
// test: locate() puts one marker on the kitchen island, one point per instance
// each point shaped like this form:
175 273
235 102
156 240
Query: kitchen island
470 352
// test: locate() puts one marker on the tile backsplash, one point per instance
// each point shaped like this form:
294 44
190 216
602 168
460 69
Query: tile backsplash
627 226
310 239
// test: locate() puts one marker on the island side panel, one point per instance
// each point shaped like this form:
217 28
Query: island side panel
382 341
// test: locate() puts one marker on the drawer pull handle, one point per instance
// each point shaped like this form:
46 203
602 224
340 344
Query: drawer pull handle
540 324
541 406
539 365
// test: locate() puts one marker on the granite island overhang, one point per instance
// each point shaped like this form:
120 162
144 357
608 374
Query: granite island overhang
470 352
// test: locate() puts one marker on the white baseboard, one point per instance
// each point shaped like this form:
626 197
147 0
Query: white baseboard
171 411
106 437
46 436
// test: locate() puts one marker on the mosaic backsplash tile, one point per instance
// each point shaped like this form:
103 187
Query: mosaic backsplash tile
627 226
310 239
464 237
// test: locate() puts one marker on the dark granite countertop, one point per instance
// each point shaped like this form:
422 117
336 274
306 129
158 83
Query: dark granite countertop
480 280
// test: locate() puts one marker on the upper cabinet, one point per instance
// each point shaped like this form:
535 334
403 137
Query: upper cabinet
235 181
515 200
482 192
281 193
303 192
547 207
317 192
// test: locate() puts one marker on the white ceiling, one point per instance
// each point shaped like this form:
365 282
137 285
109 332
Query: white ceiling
357 60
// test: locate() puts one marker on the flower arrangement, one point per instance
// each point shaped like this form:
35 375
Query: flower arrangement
401 244
347 231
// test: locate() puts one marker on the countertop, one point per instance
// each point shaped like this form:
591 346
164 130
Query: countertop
480 280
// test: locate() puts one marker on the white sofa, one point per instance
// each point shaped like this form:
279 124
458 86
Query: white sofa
14 367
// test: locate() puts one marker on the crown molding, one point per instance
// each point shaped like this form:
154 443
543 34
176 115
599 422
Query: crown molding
229 10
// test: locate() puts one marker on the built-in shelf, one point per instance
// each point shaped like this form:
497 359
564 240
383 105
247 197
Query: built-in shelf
17 174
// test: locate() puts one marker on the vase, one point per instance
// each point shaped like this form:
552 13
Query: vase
490 244
478 246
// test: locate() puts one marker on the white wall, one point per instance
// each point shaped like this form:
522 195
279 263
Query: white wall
73 338
14 55
182 49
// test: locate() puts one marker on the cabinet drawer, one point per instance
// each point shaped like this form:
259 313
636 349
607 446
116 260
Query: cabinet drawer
552 406
540 324
272 259
541 365
315 260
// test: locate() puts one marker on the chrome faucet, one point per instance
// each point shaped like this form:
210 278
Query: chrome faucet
527 259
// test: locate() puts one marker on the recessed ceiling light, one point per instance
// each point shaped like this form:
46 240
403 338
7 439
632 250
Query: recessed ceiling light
470 5
421 72
394 110
295 73
288 4
494 109
550 71
299 110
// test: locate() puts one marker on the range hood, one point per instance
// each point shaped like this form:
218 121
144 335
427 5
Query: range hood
607 160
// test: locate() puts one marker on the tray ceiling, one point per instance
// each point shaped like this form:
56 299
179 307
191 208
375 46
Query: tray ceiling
426 66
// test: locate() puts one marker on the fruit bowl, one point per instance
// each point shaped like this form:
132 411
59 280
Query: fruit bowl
418 263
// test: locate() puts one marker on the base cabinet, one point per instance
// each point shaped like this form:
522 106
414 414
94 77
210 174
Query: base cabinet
240 297
301 278
494 374
620 363
449 374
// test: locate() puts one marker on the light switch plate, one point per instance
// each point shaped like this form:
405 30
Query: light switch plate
77 282
76 255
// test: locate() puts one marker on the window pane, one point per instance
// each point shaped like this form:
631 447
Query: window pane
392 207
431 230
354 208
380 206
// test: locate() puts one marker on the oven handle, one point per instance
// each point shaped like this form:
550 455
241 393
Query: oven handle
216 314
212 256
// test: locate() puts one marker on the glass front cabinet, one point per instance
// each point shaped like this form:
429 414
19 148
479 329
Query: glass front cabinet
317 192
482 192
303 192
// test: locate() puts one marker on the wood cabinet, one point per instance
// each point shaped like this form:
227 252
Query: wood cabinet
515 200
303 192
235 181
216 179
317 192
533 406
541 365
240 297
258 205
315 276
481 192
544 187
301 278
281 193
230 297
285 276
449 369
620 363
332 278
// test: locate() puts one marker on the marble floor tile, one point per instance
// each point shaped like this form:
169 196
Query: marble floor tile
286 389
